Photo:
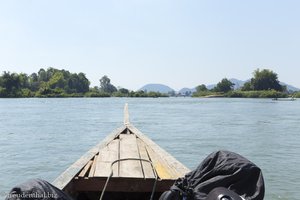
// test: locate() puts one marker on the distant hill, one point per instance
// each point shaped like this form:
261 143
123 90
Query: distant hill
237 83
210 86
290 87
157 88
183 91
166 89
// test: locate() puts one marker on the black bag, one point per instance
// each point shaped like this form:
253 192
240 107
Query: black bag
36 189
220 169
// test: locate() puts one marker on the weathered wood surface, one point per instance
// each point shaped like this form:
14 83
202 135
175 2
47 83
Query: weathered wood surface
92 170
146 166
107 155
64 179
163 170
85 169
129 149
180 169
126 142
122 146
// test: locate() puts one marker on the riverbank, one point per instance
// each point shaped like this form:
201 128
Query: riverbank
62 83
141 94
30 94
246 94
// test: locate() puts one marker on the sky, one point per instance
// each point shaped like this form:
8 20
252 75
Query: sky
134 42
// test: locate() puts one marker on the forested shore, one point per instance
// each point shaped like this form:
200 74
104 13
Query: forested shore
61 83
54 82
263 84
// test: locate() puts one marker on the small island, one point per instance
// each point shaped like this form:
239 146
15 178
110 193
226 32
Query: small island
263 84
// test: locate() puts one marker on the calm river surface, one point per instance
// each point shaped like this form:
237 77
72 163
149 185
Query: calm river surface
40 138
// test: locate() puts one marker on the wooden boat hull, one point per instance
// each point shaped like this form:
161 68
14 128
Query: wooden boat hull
130 177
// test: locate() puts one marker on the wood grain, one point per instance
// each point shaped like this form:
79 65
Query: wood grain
107 155
128 149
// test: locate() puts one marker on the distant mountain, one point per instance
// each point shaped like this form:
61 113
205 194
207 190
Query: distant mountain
290 87
210 86
184 91
157 88
237 83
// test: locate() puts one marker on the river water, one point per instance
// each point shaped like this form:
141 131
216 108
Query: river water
40 138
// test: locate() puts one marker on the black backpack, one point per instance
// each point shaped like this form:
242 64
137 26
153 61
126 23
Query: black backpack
237 177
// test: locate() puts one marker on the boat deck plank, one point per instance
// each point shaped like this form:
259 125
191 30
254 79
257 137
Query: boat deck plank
107 155
163 170
129 149
86 169
146 166
92 170
180 169
130 145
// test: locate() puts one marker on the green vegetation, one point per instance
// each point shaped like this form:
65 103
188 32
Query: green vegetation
125 93
224 86
204 93
46 83
201 88
61 83
106 86
263 80
256 94
264 84
296 95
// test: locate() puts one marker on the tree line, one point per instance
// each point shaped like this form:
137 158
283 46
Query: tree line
263 84
61 83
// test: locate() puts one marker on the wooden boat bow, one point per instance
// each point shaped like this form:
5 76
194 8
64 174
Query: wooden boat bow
132 174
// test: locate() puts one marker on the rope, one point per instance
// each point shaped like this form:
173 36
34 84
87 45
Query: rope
125 159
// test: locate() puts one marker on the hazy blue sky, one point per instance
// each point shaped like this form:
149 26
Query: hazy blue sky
179 43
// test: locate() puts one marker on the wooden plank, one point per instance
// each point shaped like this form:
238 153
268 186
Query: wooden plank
163 170
85 169
169 158
128 149
180 169
146 166
92 171
117 184
65 178
107 155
